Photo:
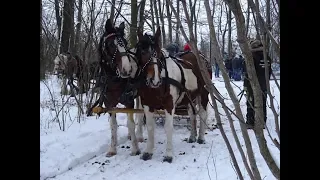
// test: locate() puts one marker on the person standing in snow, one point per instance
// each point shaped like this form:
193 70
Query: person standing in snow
172 49
257 53
228 65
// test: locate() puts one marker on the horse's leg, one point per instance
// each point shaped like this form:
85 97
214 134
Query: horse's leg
131 126
64 89
203 117
168 126
150 127
139 132
139 117
114 127
193 131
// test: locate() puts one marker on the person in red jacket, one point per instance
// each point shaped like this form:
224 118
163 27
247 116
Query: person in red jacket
186 47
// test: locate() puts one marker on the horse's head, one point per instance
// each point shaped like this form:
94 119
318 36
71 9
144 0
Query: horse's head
148 54
113 49
60 63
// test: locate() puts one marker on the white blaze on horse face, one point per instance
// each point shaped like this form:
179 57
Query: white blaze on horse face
134 65
126 65
156 79
157 75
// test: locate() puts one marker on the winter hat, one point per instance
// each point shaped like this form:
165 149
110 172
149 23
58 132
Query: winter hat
186 47
255 44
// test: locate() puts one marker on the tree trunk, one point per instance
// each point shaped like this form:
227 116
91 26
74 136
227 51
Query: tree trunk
66 26
58 18
229 33
234 5
248 20
163 32
257 27
113 4
155 9
72 34
152 16
224 31
178 24
133 27
42 69
169 22
78 29
141 13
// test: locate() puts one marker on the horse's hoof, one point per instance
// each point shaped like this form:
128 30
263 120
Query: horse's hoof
140 140
191 140
167 159
110 154
146 156
201 141
138 152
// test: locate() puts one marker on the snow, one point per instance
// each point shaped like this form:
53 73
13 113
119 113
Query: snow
79 151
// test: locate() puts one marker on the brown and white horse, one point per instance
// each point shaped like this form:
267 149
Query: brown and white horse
168 83
113 51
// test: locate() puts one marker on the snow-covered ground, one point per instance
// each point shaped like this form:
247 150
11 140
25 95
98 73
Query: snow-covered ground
79 151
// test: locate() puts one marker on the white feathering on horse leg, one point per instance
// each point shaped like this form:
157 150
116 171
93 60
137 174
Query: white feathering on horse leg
193 131
150 127
168 126
203 121
114 127
134 143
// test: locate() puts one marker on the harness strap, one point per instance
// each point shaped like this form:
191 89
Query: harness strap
182 85
183 79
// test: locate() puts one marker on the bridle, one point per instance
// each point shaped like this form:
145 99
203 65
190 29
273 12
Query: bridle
111 57
154 55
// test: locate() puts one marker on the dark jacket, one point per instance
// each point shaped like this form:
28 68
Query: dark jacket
228 64
260 70
236 63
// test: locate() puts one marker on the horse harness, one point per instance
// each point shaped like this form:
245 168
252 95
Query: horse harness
180 85
107 77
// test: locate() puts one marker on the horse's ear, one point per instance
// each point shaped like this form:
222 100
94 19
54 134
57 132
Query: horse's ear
158 33
139 33
108 25
121 28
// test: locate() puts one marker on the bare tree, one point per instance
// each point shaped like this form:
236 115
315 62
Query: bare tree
152 15
163 33
66 26
155 10
234 5
42 70
235 101
229 18
133 27
177 24
78 29
169 22
141 13
58 18
212 90
113 3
